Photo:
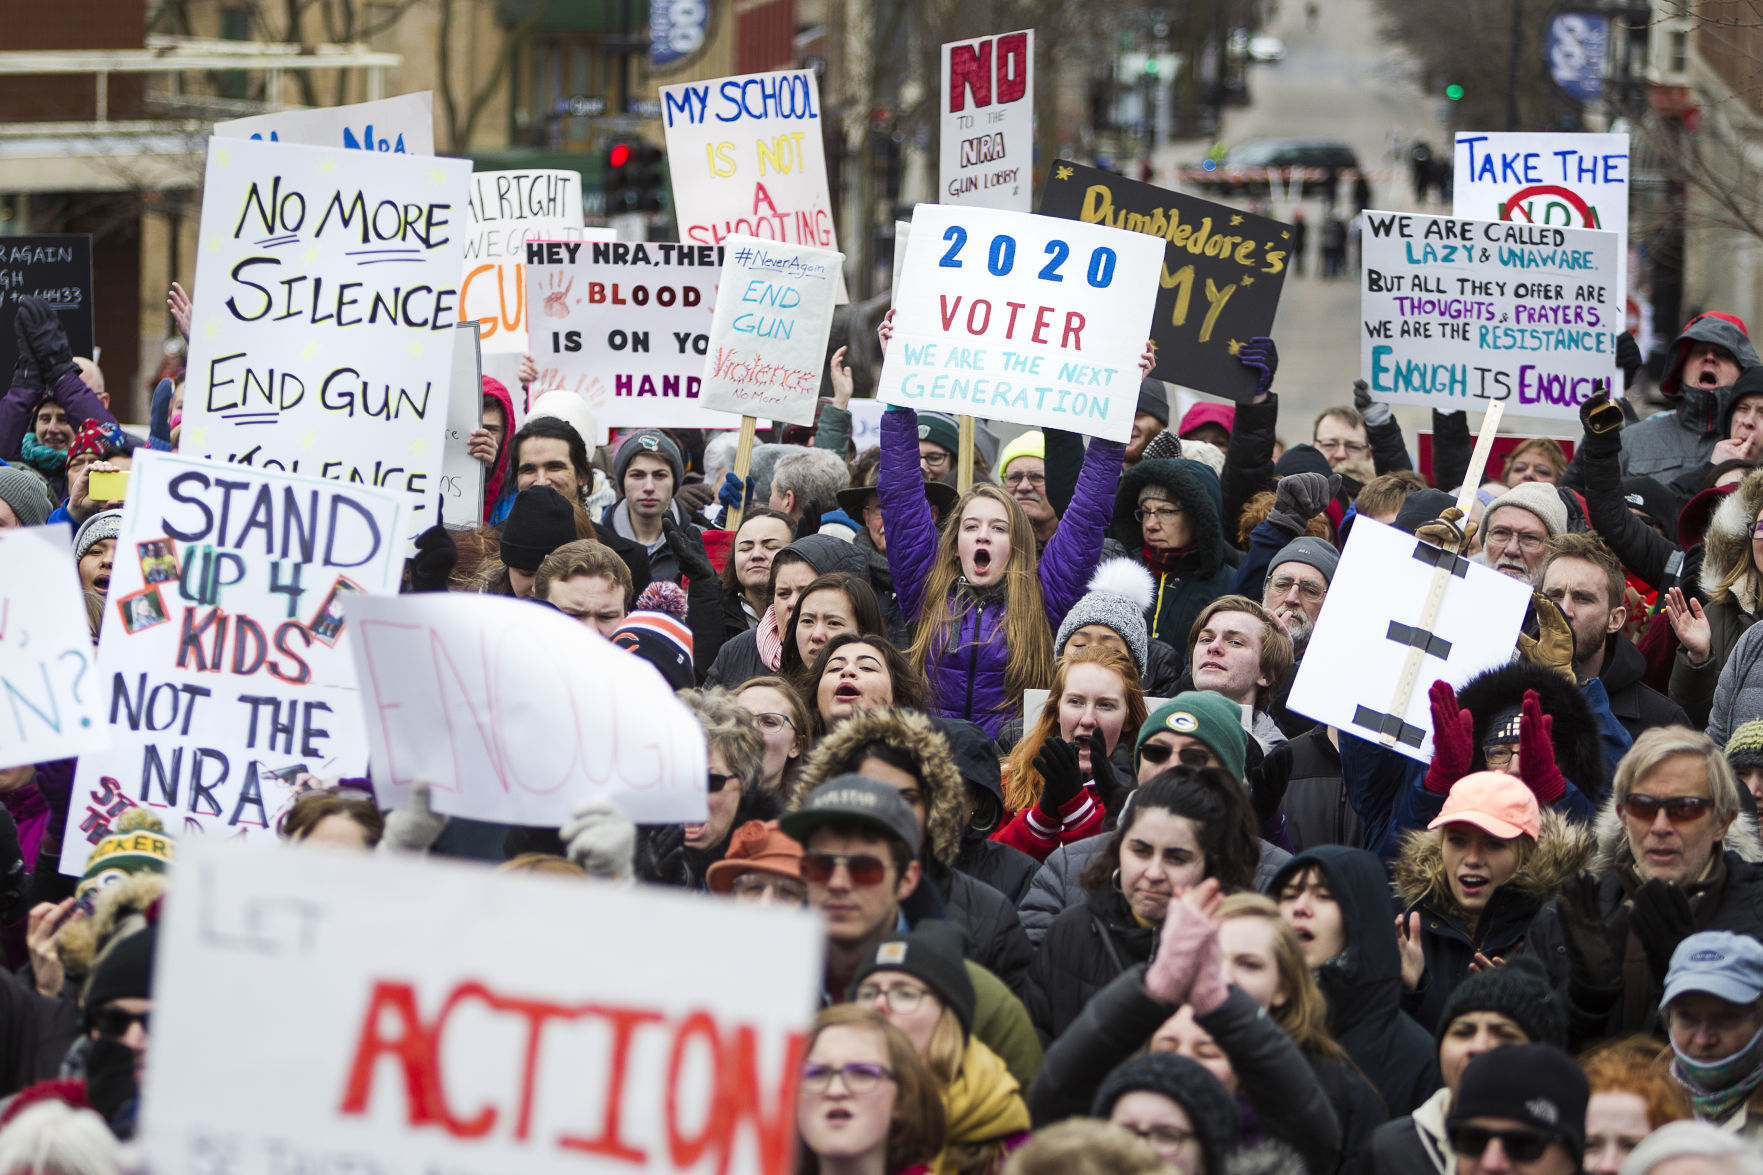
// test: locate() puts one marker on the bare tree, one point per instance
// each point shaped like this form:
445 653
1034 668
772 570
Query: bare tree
463 104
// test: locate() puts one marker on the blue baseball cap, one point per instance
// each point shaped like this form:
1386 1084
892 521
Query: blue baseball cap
1720 963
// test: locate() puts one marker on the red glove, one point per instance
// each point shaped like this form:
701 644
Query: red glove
1453 740
1536 752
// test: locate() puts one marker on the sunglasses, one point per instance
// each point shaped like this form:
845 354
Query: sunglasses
718 782
1521 1146
1195 757
114 1023
865 870
1678 809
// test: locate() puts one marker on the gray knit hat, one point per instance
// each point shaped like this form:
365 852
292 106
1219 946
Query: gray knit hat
26 494
654 443
1540 498
106 524
1310 551
1120 592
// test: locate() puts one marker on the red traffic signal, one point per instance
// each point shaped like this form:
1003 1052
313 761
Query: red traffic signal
619 155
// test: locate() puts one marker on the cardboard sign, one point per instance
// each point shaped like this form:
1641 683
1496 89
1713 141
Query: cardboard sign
56 267
404 125
53 708
1030 319
626 326
1223 271
326 294
988 132
774 314
468 1021
1348 676
224 662
462 475
1458 312
509 208
516 714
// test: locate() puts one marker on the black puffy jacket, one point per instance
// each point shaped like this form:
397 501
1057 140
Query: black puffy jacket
1086 947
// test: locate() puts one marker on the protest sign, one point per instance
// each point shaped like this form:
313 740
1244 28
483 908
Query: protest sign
626 326
224 667
509 208
404 125
308 353
1023 318
462 1021
1223 271
774 314
516 714
462 475
1355 657
988 132
1456 312
902 234
56 267
51 694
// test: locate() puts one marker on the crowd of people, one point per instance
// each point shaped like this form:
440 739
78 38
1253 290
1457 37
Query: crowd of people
1094 896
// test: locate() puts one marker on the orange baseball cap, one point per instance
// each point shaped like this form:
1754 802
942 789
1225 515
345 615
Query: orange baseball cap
756 847
1498 804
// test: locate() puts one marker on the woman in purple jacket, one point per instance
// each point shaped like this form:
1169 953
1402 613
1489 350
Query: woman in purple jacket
48 401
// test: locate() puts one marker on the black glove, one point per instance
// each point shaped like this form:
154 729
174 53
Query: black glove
666 845
1662 918
25 373
1373 412
1301 497
687 546
436 556
1594 942
1597 415
110 1084
810 523
1109 785
1629 358
1261 356
41 333
1061 779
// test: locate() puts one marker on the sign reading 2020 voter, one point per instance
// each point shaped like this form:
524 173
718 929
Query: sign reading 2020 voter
1030 319
321 340
224 669
988 124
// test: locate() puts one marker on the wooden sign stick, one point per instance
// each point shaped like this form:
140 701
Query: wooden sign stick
964 461
743 462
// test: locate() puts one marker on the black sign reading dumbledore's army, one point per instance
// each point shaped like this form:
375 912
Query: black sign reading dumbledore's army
57 268
1222 271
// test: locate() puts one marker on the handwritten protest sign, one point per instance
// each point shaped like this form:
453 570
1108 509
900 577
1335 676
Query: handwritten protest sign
626 326
322 337
50 697
404 125
774 314
224 661
509 208
1023 318
988 132
1459 311
56 267
462 475
469 1022
1222 275
1355 657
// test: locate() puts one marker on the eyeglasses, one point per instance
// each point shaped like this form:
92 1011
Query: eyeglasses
718 782
1195 757
1032 479
1521 1146
903 999
1162 516
1353 447
1498 757
1311 592
865 869
114 1023
756 884
858 1076
934 460
772 723
1167 1138
1677 809
1505 536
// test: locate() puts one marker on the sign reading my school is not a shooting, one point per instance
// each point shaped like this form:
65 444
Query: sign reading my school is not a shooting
1223 271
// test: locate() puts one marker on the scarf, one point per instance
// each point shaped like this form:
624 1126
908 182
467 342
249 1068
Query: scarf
770 641
1718 1088
36 453
1164 562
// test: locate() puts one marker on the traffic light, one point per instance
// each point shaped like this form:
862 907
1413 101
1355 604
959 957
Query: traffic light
621 195
648 180
1454 92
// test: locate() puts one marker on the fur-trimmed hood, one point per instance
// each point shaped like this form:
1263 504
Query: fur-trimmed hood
912 732
1611 850
1194 487
1578 749
1563 847
80 942
1726 543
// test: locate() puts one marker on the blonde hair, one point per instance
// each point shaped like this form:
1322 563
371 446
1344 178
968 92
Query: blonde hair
731 729
1661 743
1028 640
1022 783
580 558
1304 1015
1084 1146
801 721
1548 447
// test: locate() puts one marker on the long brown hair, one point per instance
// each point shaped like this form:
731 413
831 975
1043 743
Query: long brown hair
919 1125
1022 783
1028 641
1304 1015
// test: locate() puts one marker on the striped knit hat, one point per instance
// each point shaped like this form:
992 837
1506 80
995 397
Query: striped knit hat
661 640
1744 749
137 845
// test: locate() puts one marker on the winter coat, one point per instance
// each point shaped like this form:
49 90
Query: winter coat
1601 1006
1637 706
1305 776
1726 544
1449 937
737 662
1194 577
967 678
1642 550
999 944
983 1105
882 580
1009 871
1085 948
661 857
1248 460
1364 982
1739 695
1000 1020
35 1031
1032 832
662 564
497 474
1414 1145
81 404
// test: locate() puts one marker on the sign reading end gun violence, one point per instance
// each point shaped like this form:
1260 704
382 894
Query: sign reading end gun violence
1223 271
1457 312
469 1022
774 313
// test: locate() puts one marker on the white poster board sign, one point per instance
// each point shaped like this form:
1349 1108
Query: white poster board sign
224 662
1031 319
462 475
515 714
902 236
1455 313
468 1021
774 314
509 208
626 326
404 125
1355 657
322 335
988 122
50 688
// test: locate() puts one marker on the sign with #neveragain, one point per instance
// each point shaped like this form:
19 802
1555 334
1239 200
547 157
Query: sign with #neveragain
224 668
1458 311
1031 319
322 334
988 121
469 1022
46 673
774 314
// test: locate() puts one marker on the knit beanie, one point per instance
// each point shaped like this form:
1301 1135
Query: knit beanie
1206 715
1154 400
1310 551
26 494
540 521
650 442
106 524
1744 749
931 953
94 437
662 641
124 969
1540 498
1518 991
1120 593
939 429
1207 412
1029 444
1301 459
1210 1108
138 844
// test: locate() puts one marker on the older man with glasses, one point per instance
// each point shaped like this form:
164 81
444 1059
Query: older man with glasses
1023 467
